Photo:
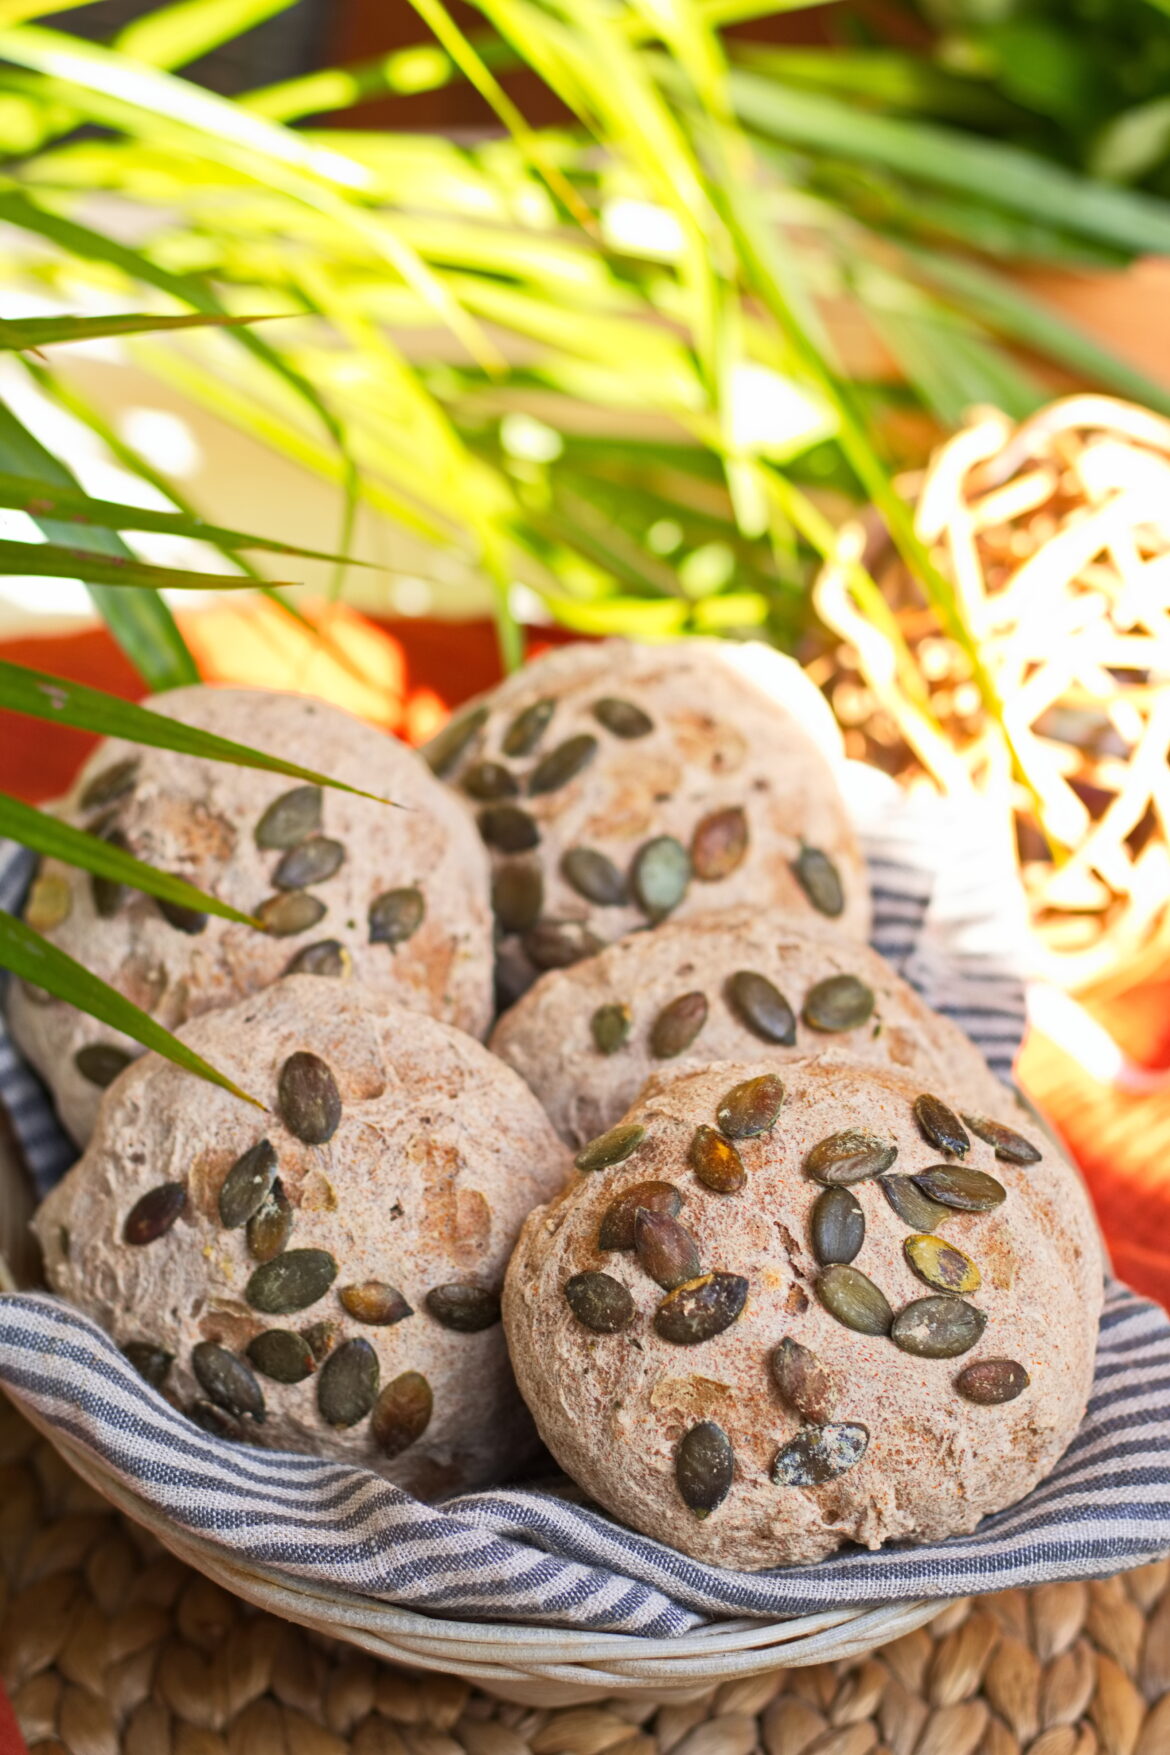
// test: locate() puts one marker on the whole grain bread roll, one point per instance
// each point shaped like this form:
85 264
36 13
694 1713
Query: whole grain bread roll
400 898
745 983
617 785
758 1329
323 1278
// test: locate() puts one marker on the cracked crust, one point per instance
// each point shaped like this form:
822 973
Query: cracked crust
734 726
440 1153
197 818
547 1036
613 1408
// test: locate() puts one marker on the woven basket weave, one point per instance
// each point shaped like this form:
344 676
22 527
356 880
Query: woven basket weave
534 1665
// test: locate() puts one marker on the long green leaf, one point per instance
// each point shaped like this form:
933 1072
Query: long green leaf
20 333
140 621
49 835
26 954
1019 181
45 500
42 696
170 36
52 560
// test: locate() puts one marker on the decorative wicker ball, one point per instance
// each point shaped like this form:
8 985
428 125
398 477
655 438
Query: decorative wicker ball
1055 535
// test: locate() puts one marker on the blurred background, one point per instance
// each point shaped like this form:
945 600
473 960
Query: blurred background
845 326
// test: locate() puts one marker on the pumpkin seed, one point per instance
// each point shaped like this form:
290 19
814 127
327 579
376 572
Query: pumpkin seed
849 1156
802 1381
677 1025
967 1191
189 920
612 1147
402 1413
665 1249
110 783
327 957
660 875
623 718
395 916
701 1308
517 894
347 1384
599 1302
854 1300
819 1454
282 1355
750 1108
100 1063
594 876
937 1328
214 1420
527 729
270 1226
610 1026
716 1162
291 1281
617 1221
719 844
312 862
704 1465
1010 1147
508 828
990 1381
50 902
291 818
152 1216
321 1338
563 764
151 1362
941 1126
941 1264
443 751
838 1226
490 780
761 1007
820 880
463 1307
247 1185
308 1099
108 894
290 912
910 1204
840 1002
375 1302
555 944
227 1381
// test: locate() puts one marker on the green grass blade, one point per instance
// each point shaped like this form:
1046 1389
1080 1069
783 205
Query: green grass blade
48 835
65 505
21 333
140 621
27 955
170 36
54 561
41 696
926 153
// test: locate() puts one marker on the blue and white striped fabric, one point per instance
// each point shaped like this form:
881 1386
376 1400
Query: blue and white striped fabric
947 913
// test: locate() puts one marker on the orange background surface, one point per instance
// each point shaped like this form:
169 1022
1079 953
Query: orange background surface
406 678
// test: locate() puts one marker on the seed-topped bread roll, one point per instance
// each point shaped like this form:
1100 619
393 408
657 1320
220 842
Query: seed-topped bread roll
343 884
618 785
785 1308
326 1277
742 984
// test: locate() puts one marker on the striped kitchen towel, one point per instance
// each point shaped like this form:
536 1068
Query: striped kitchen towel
949 915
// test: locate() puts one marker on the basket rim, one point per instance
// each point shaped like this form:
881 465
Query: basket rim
512 1651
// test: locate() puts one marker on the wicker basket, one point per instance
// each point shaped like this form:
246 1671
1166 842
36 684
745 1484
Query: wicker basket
537 1666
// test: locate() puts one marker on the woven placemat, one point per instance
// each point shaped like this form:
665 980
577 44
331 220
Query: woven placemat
109 1646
